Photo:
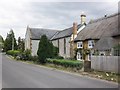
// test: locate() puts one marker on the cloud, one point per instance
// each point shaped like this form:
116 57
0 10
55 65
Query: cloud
55 15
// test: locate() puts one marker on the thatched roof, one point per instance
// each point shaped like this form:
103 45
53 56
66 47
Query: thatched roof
105 43
106 26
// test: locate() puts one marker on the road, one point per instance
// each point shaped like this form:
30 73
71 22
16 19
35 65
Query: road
21 75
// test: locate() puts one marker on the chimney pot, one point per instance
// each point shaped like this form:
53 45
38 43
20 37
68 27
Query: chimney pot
105 15
83 18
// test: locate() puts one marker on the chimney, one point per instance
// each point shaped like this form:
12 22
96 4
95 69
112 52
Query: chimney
105 15
74 30
83 18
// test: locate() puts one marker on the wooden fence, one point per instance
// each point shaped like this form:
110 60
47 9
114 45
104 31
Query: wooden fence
106 63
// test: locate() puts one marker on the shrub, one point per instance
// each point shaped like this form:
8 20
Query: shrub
34 58
26 55
66 63
13 52
58 57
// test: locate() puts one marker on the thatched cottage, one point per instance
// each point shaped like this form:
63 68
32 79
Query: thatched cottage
99 35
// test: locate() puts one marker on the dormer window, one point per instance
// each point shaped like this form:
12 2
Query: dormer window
91 43
79 44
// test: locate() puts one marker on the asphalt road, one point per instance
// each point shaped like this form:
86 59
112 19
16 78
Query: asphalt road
0 71
21 75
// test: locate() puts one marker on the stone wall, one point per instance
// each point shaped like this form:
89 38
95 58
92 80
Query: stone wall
27 39
34 49
55 43
61 46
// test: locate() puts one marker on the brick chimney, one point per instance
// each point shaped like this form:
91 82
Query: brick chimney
74 28
72 45
83 18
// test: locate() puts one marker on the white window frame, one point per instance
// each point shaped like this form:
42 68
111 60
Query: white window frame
91 43
79 44
79 56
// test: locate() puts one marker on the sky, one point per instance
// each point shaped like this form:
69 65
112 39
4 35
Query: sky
51 14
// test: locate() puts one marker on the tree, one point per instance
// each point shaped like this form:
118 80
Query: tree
9 41
45 49
21 44
1 42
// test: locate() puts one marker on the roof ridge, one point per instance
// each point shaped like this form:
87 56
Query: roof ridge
69 28
102 18
45 29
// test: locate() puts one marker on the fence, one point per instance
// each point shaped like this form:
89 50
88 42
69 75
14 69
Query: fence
106 63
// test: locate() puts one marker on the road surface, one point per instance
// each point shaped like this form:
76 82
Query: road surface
21 75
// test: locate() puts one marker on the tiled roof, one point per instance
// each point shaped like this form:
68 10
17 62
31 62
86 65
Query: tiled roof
36 33
65 33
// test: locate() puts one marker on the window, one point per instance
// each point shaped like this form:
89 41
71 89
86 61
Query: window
91 43
64 46
79 56
79 44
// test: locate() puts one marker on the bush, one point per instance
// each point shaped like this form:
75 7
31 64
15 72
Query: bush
34 58
66 63
58 57
26 55
13 52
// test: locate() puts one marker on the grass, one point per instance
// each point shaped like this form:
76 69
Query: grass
109 76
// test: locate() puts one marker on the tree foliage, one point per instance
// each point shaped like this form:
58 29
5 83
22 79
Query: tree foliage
1 42
45 49
9 40
21 44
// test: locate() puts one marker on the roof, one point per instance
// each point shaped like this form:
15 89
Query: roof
65 33
36 33
105 43
106 26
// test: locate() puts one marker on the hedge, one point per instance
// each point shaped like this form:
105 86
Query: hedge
13 52
66 63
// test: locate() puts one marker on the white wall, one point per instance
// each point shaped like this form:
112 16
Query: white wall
35 44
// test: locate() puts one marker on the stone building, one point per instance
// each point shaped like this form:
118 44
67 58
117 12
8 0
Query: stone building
64 39
100 34
32 38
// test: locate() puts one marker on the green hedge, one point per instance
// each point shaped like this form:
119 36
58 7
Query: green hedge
13 52
66 63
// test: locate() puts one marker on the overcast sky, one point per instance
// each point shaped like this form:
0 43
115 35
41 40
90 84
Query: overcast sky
17 14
